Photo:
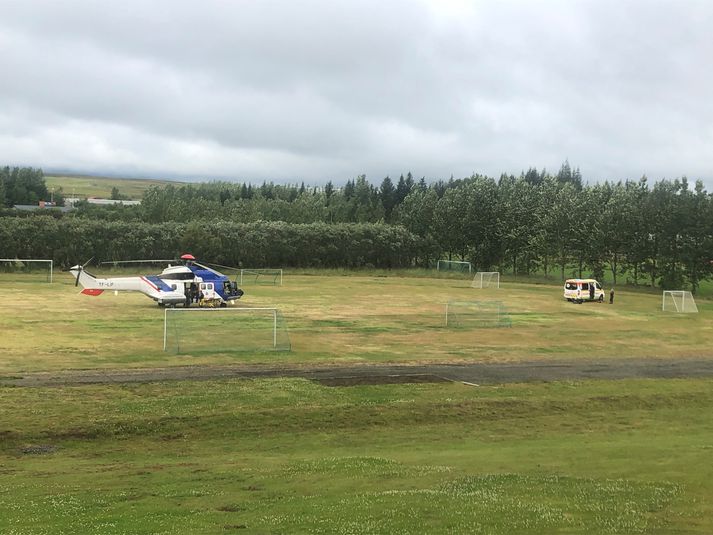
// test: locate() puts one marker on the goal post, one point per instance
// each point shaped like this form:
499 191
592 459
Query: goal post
27 266
486 279
679 301
261 276
454 265
477 314
224 330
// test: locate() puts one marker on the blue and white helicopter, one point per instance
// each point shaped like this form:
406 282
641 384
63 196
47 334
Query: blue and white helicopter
183 284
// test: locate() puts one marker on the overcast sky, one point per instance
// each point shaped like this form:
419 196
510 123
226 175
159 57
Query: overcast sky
319 90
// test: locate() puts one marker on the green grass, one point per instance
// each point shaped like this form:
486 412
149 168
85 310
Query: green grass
624 280
95 186
342 319
290 456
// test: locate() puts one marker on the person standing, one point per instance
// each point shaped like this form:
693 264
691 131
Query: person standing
611 296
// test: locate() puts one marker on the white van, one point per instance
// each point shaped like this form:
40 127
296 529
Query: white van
580 290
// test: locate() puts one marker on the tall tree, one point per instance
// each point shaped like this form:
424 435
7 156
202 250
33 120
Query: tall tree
329 189
402 190
516 221
387 193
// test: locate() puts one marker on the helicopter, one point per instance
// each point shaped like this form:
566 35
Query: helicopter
184 284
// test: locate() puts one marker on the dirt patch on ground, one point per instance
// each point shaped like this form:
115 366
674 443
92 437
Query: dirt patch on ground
38 449
472 373
357 380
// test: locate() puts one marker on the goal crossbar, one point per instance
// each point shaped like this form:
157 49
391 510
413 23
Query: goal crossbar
678 301
273 311
476 314
486 279
462 264
224 330
30 261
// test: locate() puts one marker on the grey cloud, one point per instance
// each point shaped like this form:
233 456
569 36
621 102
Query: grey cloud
327 90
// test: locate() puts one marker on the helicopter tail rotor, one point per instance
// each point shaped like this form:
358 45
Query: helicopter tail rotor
79 268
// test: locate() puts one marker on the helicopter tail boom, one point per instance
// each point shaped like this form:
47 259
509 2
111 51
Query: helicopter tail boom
149 285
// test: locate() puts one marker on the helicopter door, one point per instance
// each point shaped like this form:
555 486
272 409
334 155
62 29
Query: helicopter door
208 290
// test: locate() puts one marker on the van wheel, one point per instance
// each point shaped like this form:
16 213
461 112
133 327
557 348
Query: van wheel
580 301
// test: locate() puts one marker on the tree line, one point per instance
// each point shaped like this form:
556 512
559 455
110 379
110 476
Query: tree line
658 234
22 185
70 240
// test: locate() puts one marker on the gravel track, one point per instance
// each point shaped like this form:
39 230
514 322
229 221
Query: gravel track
472 373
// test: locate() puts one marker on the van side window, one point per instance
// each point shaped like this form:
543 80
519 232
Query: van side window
585 286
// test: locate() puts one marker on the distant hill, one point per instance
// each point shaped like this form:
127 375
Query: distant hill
96 186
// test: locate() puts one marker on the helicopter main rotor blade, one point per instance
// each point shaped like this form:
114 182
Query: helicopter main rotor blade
146 261
220 266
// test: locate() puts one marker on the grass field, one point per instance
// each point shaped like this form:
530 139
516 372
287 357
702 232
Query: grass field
293 456
346 319
95 186
290 456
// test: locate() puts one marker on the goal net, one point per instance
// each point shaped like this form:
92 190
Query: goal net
473 314
224 330
261 276
486 279
454 265
679 301
26 269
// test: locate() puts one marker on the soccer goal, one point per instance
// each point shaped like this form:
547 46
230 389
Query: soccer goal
29 269
475 314
454 265
224 330
486 279
261 276
679 301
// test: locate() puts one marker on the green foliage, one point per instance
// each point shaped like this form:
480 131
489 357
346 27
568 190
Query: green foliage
22 185
628 231
520 224
263 243
292 456
116 194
